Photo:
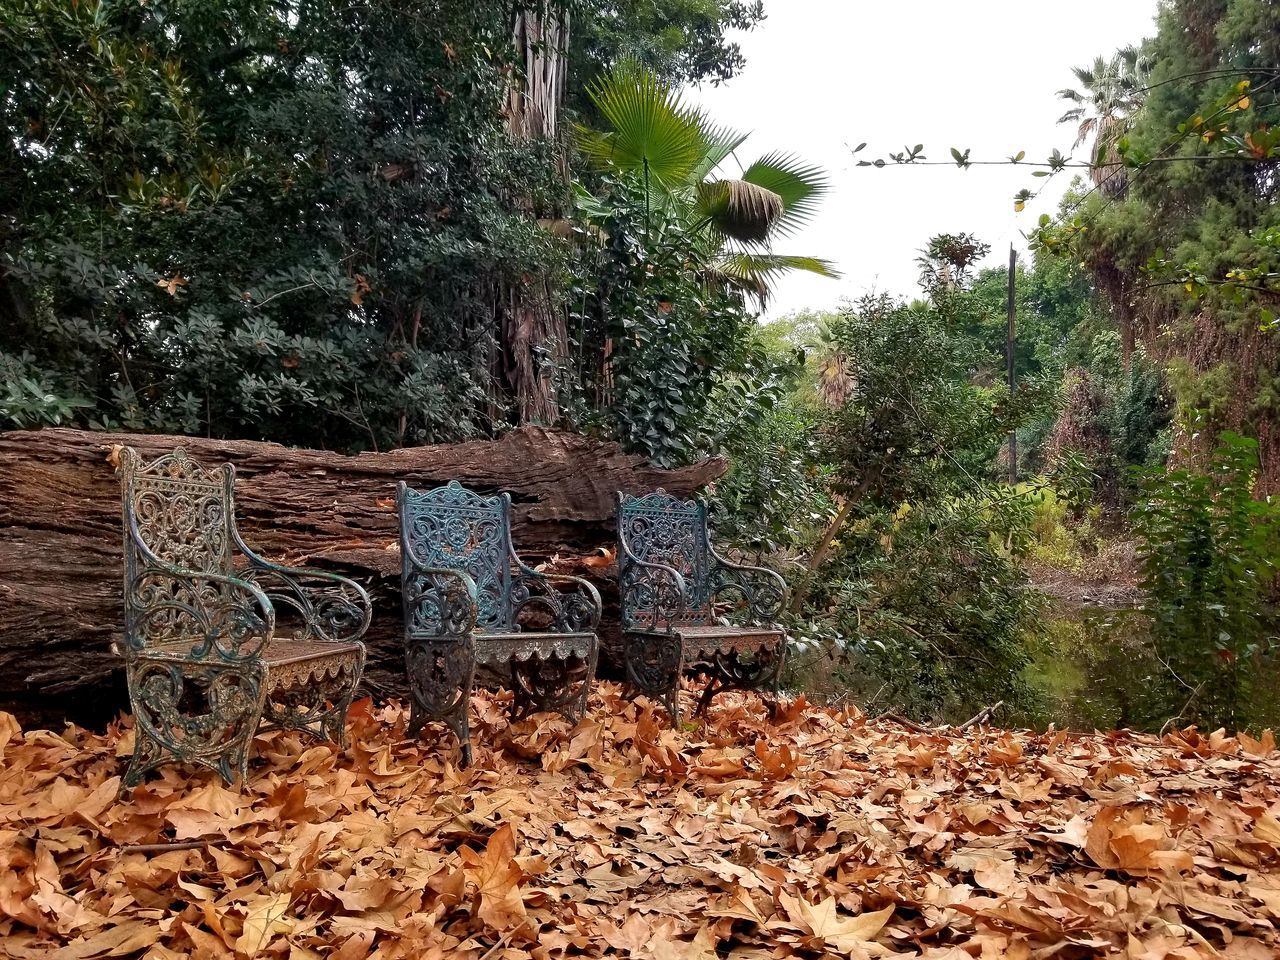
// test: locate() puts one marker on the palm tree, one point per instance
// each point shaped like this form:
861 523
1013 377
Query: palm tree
1110 91
836 375
676 152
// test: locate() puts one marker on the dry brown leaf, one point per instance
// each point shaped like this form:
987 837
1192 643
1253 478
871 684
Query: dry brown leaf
266 916
124 938
497 877
758 837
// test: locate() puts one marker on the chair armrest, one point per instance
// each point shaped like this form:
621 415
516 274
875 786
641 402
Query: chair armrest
651 586
225 617
572 602
333 608
764 591
438 603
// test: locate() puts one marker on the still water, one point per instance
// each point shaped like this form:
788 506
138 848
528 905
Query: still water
1095 668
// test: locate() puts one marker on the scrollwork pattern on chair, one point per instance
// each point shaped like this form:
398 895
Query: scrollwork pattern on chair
685 607
177 510
454 528
654 665
758 591
201 648
327 607
538 625
204 614
653 596
757 669
553 683
205 714
663 531
566 604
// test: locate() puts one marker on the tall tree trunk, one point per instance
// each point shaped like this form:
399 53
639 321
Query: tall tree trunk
541 38
534 335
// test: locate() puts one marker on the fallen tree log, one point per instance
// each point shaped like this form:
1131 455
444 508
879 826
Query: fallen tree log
61 565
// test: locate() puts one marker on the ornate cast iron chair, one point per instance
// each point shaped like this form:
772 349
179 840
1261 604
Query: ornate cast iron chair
468 600
219 642
678 597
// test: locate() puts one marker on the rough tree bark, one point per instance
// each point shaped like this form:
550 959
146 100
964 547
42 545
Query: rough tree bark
60 535
534 336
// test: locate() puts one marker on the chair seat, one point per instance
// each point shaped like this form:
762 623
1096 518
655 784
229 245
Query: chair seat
707 639
287 659
495 648
281 651
292 662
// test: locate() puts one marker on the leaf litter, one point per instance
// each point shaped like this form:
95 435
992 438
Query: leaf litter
819 833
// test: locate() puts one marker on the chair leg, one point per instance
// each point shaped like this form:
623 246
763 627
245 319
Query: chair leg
708 694
463 732
335 726
775 682
441 674
654 665
553 683
198 713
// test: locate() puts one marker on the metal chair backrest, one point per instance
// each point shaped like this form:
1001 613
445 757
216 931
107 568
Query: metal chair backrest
179 513
660 528
454 528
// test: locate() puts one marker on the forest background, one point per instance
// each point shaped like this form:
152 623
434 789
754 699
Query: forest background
361 226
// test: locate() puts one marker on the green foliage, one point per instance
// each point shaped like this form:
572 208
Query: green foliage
243 219
1057 542
671 152
931 607
1110 90
661 285
775 498
650 130
916 426
1208 558
923 597
681 40
1183 247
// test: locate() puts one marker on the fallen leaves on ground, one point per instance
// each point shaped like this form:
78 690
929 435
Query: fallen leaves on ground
816 834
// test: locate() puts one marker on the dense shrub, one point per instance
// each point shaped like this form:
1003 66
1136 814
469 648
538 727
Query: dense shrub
1209 555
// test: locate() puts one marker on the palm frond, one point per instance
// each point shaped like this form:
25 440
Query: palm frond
800 186
1085 76
755 273
743 211
719 143
651 131
766 266
1087 126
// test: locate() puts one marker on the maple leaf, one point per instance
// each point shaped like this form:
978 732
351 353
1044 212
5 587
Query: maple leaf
266 916
631 937
497 876
1257 748
172 284
359 289
646 841
777 764
1267 828
606 558
824 922
703 947
1120 839
205 942
124 938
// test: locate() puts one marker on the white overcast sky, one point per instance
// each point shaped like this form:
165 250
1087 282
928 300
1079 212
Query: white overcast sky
824 75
